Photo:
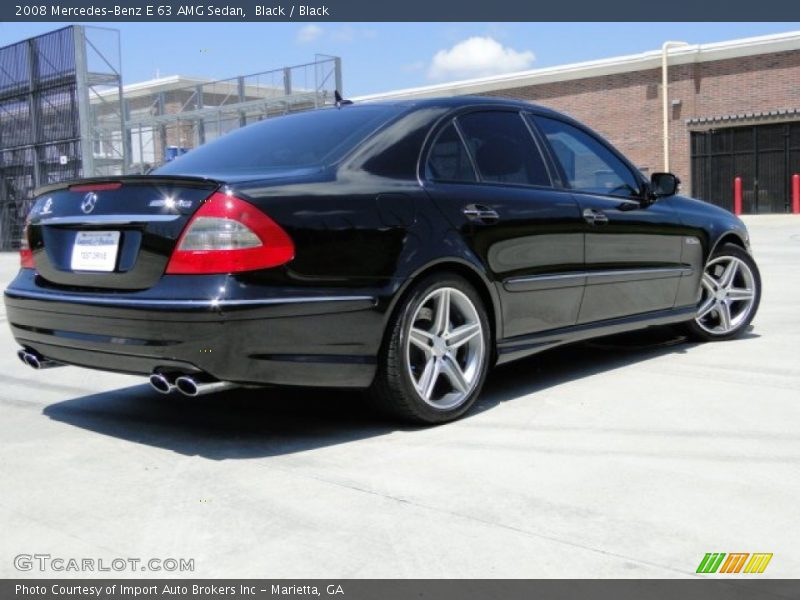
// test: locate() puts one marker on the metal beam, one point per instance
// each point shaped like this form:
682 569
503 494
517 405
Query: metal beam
84 106
33 108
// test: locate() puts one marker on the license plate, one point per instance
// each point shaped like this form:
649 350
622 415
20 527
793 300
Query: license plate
95 251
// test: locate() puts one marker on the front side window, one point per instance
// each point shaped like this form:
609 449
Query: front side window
503 148
589 165
448 159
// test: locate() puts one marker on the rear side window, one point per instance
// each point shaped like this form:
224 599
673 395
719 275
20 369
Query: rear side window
448 159
503 148
313 138
588 164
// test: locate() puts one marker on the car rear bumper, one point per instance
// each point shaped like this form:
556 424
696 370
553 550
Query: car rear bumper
281 337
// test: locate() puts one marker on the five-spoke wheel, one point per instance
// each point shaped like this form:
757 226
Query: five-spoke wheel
445 348
730 291
436 356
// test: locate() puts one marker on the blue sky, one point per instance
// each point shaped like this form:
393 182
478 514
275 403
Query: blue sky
380 57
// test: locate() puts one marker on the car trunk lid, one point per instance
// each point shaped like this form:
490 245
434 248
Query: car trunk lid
112 233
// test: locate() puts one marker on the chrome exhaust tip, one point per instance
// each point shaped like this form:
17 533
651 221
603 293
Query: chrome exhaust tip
186 386
189 386
160 383
37 361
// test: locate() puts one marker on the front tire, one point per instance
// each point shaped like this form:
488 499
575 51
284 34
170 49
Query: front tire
436 356
729 295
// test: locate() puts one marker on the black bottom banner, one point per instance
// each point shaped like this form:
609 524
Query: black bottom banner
399 589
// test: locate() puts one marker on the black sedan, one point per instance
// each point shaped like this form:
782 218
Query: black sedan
403 248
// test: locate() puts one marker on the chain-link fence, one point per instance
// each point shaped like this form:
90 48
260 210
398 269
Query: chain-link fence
174 115
46 124
38 120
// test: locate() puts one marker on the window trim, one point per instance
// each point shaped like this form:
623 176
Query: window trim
544 152
453 117
464 145
435 140
531 117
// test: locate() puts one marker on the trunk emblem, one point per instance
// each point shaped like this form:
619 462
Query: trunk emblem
89 202
170 203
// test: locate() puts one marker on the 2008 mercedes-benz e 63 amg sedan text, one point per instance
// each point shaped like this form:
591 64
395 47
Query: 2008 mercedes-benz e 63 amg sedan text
401 247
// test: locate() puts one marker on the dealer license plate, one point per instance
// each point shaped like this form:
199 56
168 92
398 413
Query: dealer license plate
95 251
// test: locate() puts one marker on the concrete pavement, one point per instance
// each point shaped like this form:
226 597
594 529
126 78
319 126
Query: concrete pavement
624 457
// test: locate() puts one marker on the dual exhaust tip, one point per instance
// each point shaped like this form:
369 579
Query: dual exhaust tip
160 382
187 385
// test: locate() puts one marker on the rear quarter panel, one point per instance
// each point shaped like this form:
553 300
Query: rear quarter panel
349 232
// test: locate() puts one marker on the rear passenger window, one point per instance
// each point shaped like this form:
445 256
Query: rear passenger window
503 148
448 160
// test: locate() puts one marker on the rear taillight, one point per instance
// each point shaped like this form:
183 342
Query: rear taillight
25 253
229 235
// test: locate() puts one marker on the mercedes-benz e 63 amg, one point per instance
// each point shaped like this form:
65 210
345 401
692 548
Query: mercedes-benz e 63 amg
403 248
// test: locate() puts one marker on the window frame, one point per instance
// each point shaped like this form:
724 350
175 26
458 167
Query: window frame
530 118
453 117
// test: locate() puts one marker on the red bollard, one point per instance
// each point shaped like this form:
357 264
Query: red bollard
796 193
737 196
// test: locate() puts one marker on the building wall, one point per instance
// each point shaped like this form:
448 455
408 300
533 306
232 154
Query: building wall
626 108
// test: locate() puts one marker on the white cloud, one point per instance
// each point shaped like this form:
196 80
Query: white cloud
477 57
344 34
309 33
349 34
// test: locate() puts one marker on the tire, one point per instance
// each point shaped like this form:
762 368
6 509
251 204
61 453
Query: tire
416 379
728 300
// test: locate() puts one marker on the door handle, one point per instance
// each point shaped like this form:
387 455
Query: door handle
478 212
595 217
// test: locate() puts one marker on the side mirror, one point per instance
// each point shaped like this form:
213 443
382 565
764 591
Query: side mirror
663 184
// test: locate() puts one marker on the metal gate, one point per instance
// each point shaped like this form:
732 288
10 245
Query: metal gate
764 156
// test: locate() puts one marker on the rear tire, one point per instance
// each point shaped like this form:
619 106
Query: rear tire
436 355
728 298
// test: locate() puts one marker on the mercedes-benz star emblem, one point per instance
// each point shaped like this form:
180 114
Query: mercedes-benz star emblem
89 202
48 207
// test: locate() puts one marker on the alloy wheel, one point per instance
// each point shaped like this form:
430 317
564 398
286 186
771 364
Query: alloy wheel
727 295
445 348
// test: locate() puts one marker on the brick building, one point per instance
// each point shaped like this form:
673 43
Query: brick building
734 110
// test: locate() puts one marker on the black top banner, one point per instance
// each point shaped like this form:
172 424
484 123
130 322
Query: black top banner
405 11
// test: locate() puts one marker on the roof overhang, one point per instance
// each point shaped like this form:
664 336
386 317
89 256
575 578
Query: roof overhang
742 119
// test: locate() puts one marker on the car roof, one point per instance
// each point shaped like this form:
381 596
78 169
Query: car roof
461 102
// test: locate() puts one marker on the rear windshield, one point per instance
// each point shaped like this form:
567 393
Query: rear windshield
307 139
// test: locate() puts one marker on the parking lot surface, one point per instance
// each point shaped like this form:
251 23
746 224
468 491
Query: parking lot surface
624 457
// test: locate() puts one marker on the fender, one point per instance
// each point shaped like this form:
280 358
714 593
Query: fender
733 234
461 264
